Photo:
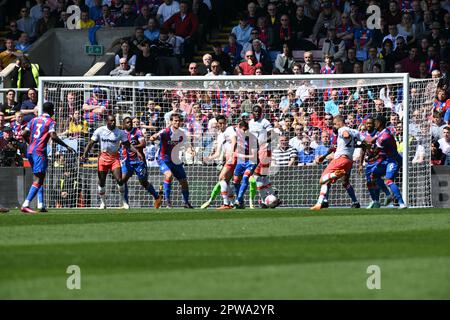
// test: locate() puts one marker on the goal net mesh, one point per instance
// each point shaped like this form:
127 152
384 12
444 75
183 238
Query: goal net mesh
296 108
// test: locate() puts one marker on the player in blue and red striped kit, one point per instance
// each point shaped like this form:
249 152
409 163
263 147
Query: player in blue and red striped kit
387 158
172 139
374 184
38 132
132 164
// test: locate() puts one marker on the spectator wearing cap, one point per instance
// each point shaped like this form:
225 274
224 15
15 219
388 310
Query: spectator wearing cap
332 45
328 17
242 31
250 64
433 37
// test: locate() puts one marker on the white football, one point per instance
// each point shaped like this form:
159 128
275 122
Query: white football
270 201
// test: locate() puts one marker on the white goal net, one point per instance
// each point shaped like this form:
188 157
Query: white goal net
299 108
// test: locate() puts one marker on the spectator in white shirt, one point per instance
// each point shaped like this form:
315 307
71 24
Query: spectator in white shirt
284 155
166 10
444 144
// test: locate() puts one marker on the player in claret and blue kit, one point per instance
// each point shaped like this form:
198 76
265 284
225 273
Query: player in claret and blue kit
388 160
39 131
132 164
172 140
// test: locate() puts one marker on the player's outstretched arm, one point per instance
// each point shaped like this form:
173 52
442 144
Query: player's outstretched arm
128 145
86 151
58 140
155 136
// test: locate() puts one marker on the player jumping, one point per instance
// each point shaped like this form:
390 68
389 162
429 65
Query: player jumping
132 164
39 131
388 160
223 143
110 138
374 184
342 163
172 139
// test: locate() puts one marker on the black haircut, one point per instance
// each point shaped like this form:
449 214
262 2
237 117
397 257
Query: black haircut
175 115
126 118
48 107
243 124
221 117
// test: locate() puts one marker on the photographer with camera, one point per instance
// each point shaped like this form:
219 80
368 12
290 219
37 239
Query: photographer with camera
9 157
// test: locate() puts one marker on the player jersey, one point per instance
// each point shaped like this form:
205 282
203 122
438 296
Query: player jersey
224 139
346 147
260 129
246 143
109 140
388 146
40 129
170 144
370 153
134 136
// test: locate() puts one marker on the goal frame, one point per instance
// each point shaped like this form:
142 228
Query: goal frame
401 77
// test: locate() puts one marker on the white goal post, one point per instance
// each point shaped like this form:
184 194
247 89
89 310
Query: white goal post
300 98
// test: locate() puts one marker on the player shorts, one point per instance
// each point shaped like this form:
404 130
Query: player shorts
246 168
176 169
38 163
341 163
108 162
369 171
387 168
138 167
230 162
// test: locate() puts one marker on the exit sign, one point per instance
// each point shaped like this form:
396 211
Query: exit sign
95 50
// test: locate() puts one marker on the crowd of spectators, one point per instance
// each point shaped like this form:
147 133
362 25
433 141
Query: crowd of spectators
332 37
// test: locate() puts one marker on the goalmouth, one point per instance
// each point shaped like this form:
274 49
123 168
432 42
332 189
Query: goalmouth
301 96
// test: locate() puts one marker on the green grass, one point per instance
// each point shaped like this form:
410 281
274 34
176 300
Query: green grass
249 254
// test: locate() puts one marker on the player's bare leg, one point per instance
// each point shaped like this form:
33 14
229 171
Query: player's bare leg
224 179
117 174
322 195
101 188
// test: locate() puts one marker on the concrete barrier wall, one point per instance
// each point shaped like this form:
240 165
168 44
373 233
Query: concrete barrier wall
67 46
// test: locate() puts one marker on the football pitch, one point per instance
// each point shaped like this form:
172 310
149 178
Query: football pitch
236 254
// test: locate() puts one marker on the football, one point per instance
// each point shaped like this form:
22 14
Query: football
271 201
